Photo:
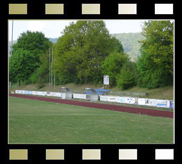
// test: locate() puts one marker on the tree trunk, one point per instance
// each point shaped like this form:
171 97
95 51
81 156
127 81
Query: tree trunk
19 83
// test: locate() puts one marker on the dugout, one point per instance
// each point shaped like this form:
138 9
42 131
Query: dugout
66 93
91 94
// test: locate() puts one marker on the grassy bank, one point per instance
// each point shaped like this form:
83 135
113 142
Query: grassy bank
158 93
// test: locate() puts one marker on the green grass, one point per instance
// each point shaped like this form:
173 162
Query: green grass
38 122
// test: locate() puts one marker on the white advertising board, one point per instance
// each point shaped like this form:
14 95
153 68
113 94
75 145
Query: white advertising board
112 98
130 100
121 99
58 94
103 98
29 92
127 100
47 94
25 92
163 103
79 96
150 102
106 79
52 94
44 93
34 92
39 93
18 91
141 101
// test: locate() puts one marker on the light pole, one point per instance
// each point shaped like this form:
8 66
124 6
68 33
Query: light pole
49 68
11 46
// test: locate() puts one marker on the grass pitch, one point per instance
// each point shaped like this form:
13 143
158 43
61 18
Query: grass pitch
38 122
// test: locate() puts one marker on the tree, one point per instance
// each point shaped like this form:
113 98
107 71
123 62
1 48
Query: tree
36 44
40 75
113 64
81 50
159 43
21 65
155 66
127 76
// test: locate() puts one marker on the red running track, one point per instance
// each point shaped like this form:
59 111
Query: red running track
119 108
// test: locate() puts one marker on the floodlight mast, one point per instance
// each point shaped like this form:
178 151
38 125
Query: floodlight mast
53 67
49 68
11 46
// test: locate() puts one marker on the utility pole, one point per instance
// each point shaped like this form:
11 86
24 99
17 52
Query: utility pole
12 40
53 68
51 71
11 47
49 68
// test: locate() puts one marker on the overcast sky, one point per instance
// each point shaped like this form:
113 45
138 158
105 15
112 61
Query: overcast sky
53 28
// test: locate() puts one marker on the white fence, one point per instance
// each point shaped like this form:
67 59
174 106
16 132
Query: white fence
114 99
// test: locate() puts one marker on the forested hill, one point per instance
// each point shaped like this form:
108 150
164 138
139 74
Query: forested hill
128 40
130 43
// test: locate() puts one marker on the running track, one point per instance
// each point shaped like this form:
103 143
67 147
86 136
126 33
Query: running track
119 108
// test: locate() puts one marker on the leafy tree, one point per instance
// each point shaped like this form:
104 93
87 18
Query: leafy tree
37 44
21 65
41 73
127 76
155 65
113 64
81 50
159 43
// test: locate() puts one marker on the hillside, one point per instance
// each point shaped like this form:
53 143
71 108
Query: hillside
130 43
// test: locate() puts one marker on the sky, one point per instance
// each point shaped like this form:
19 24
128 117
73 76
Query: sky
53 28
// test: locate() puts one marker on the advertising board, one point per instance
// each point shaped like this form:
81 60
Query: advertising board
112 98
150 102
121 99
106 80
18 91
163 103
130 100
34 92
29 92
79 96
103 98
172 104
141 101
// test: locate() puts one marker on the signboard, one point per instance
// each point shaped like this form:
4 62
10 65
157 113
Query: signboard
34 92
127 100
121 100
103 98
79 96
18 91
130 100
150 102
163 103
29 92
112 98
106 79
141 101
172 104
